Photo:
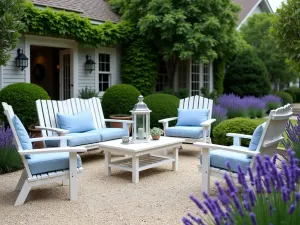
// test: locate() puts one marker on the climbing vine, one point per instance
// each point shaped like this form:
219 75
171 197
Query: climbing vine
47 22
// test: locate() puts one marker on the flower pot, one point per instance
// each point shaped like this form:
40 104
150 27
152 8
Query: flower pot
155 137
120 117
34 133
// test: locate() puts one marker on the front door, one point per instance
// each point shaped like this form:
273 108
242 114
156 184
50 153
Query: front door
65 74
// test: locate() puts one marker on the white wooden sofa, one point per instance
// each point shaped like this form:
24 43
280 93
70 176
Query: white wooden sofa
191 134
264 141
47 114
42 166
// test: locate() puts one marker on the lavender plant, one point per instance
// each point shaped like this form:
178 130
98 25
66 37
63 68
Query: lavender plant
218 113
292 132
272 101
272 197
234 105
10 159
256 107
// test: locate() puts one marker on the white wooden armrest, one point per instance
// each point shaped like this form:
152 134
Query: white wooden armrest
118 121
167 120
207 123
57 130
239 135
53 150
225 148
51 138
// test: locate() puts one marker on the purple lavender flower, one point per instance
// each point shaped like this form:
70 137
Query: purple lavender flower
253 219
297 197
292 208
198 203
234 105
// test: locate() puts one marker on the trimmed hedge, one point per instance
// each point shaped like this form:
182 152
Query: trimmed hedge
119 99
162 106
295 92
22 97
285 97
235 125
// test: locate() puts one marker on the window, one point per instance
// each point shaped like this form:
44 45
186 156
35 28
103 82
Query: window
104 71
201 76
162 77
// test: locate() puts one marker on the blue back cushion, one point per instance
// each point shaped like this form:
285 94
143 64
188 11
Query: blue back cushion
192 117
80 122
256 136
22 135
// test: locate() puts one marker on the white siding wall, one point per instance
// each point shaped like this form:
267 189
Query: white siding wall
10 73
85 78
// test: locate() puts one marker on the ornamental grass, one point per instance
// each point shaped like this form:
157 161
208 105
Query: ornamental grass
271 197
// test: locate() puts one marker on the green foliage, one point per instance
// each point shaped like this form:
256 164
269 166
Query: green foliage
286 30
119 99
219 73
11 12
257 33
295 92
156 131
139 66
247 75
22 97
181 93
285 97
235 125
162 106
178 31
64 24
86 93
205 93
292 93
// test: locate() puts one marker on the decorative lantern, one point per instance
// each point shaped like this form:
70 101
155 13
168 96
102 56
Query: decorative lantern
21 59
89 64
141 122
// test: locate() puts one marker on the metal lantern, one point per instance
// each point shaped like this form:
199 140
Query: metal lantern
141 122
21 59
89 64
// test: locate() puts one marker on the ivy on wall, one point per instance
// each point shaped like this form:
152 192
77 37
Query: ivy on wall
48 22
219 73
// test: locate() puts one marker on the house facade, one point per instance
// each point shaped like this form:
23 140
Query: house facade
58 65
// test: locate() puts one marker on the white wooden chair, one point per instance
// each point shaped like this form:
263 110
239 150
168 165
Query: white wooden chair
27 179
48 109
193 102
266 145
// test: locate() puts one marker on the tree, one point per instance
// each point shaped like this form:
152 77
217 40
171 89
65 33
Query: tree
257 33
184 29
286 30
11 12
247 75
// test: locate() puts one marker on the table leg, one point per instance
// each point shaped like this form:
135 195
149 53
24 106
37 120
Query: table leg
107 162
205 170
135 169
175 157
73 175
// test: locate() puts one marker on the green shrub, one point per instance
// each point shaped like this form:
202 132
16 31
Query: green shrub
182 93
86 93
22 97
235 125
247 76
119 99
295 92
162 106
285 97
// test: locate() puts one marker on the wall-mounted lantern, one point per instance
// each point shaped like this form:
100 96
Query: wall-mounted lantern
21 59
89 64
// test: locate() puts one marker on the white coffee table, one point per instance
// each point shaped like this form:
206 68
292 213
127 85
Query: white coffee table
141 155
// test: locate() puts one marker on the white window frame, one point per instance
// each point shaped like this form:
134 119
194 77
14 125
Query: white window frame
112 52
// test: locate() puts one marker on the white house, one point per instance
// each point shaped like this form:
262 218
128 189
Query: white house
58 65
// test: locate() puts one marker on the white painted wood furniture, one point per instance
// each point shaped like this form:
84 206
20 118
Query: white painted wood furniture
195 102
271 136
27 180
141 155
47 110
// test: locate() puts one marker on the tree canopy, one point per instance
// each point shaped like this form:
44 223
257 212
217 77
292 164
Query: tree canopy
257 33
287 30
183 29
11 12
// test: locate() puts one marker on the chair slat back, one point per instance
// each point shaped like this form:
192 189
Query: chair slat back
274 129
47 111
197 102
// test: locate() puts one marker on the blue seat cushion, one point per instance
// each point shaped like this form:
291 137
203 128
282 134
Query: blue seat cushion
184 131
192 117
256 136
80 122
50 162
219 158
22 135
78 139
107 134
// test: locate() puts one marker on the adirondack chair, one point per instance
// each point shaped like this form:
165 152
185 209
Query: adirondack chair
264 141
47 114
42 166
198 132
